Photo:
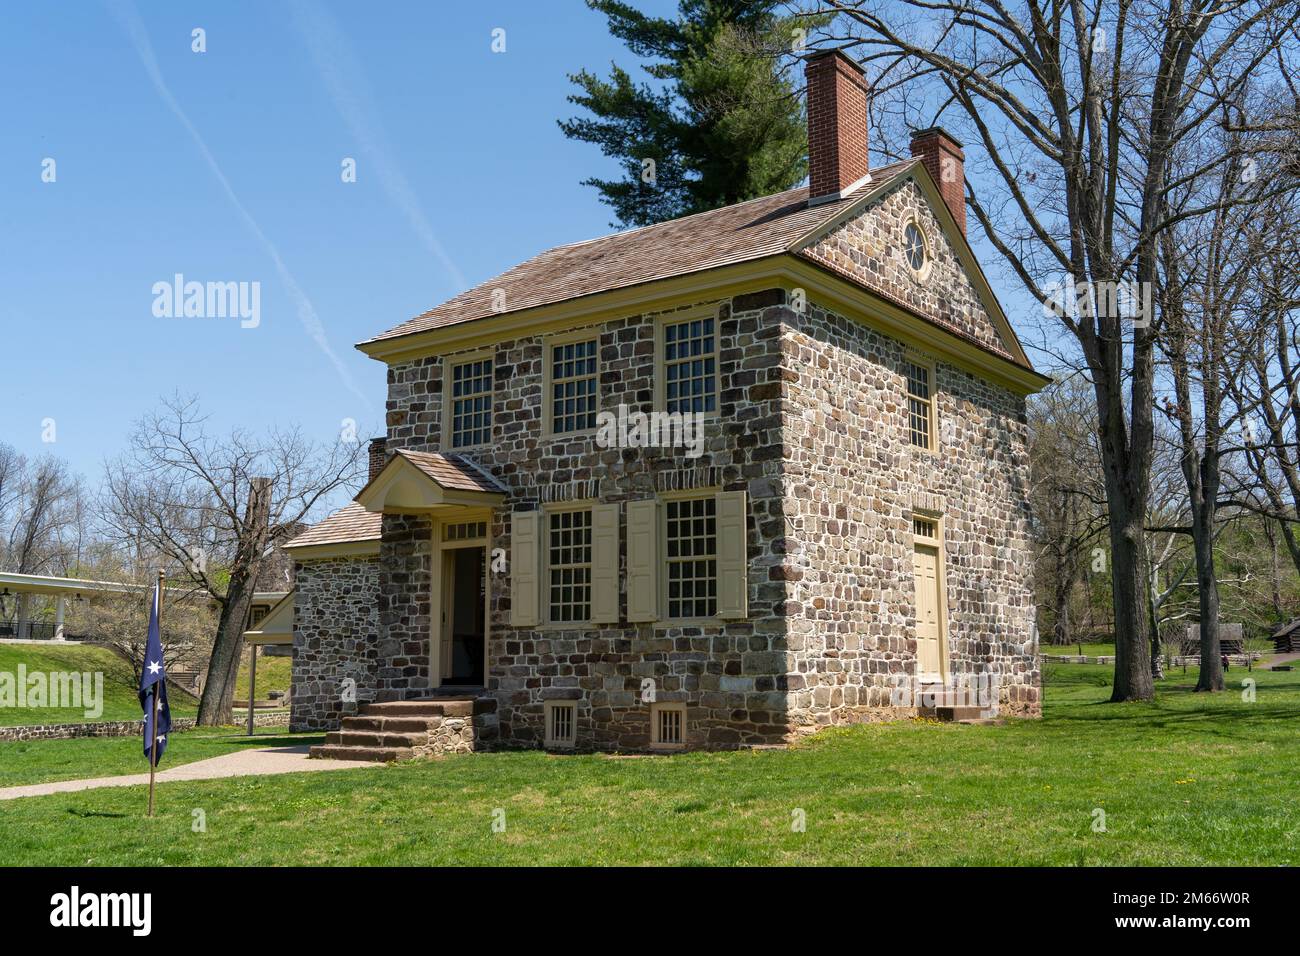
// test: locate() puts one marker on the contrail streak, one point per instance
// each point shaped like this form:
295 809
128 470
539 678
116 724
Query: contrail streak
129 18
343 78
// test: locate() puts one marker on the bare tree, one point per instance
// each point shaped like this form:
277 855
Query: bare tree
40 516
121 620
1266 475
1069 501
1081 109
1205 303
212 506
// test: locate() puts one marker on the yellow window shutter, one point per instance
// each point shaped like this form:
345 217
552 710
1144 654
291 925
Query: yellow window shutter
733 556
525 576
643 560
604 564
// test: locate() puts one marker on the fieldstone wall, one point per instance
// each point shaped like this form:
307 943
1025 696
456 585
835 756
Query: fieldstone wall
118 728
732 675
464 729
812 424
405 580
335 640
95 728
869 249
856 481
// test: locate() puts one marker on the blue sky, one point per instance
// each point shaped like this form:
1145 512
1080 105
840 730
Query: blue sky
457 150
225 166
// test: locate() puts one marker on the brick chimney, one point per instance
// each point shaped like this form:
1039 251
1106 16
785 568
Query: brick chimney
378 456
946 163
837 126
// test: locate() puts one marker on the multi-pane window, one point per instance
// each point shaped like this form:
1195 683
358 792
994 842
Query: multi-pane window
925 528
691 366
569 561
692 554
465 531
919 405
573 386
471 403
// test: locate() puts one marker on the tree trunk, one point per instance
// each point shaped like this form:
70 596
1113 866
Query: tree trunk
1061 629
1129 581
1276 577
223 668
1203 511
1157 660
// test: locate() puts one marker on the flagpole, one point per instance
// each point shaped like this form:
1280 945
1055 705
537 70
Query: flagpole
153 743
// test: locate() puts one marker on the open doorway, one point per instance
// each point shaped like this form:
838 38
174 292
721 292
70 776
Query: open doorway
463 632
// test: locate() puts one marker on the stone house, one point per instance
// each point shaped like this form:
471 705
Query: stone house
825 520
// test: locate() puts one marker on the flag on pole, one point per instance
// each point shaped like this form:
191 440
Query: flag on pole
153 682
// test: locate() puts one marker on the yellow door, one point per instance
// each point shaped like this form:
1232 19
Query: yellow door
929 633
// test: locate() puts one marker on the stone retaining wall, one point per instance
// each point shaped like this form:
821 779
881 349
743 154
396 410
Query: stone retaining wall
117 728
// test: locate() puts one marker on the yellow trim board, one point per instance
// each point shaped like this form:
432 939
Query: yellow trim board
654 296
829 289
952 232
335 549
782 269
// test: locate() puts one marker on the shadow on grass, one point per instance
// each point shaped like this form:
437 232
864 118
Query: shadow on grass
1223 713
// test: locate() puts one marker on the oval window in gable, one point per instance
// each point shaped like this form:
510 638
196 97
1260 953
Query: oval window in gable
915 248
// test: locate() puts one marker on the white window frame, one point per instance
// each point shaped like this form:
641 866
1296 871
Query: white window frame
590 334
568 507
923 273
665 561
932 419
661 356
449 365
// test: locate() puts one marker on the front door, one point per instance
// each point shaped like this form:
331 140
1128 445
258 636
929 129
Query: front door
462 631
929 633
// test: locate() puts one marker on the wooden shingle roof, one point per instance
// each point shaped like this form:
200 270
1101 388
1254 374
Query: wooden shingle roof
354 523
349 524
454 472
707 240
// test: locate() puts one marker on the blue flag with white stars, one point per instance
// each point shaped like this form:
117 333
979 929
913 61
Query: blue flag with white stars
153 683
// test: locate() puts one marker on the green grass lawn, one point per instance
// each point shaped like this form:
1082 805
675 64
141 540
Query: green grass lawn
1072 650
273 673
120 701
1191 779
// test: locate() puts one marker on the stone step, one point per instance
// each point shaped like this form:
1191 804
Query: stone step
424 708
396 725
348 737
370 754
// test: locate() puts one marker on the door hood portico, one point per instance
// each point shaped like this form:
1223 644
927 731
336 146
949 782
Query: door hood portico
414 482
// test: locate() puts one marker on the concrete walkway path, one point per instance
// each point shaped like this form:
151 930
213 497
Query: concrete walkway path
244 763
